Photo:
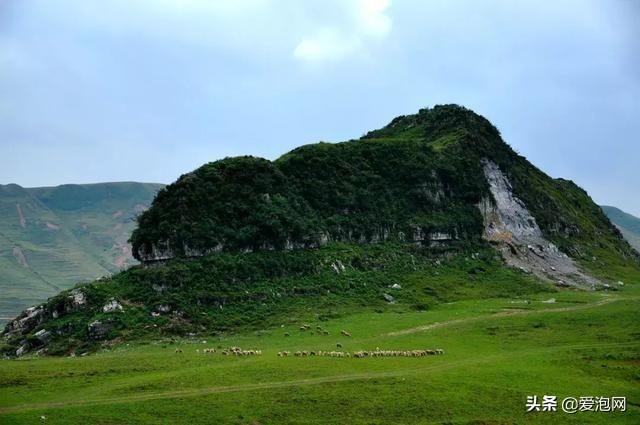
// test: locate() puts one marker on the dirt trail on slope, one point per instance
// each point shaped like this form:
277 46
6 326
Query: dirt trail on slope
446 323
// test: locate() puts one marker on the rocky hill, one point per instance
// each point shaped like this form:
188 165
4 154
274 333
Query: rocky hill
54 237
435 206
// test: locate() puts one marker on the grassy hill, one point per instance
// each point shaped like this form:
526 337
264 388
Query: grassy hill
54 237
430 233
435 203
628 224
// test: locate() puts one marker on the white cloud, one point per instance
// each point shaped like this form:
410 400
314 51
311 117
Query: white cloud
367 22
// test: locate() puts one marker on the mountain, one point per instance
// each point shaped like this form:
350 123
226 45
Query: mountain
54 237
628 224
435 204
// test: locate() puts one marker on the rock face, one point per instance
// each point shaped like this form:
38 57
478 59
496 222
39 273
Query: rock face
26 321
99 330
112 306
508 223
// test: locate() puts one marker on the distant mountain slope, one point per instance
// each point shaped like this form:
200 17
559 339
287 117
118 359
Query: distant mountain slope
53 237
628 224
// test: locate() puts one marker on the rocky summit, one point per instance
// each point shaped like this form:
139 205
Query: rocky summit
332 226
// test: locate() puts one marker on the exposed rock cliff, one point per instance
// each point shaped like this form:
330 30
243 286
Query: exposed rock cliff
522 244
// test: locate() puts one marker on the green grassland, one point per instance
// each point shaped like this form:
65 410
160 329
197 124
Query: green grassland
497 351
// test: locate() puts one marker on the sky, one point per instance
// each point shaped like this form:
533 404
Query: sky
147 90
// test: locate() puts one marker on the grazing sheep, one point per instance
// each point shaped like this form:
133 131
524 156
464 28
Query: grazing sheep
345 333
359 354
325 332
286 334
178 350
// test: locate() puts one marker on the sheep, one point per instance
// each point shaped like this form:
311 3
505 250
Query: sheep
345 333
286 334
178 350
359 354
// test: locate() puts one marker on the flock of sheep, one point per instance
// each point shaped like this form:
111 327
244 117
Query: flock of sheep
364 353
231 351
237 351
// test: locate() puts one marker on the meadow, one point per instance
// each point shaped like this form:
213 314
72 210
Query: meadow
498 351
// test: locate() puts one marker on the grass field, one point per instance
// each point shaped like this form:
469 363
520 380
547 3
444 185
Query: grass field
497 351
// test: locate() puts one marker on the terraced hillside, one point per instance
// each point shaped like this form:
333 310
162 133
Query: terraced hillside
54 237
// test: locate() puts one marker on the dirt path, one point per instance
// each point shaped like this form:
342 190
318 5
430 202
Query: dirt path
453 322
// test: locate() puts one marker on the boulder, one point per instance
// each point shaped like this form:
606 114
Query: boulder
163 308
26 321
112 306
98 329
388 298
22 349
43 336
78 298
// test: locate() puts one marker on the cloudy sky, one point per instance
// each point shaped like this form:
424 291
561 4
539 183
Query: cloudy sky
145 90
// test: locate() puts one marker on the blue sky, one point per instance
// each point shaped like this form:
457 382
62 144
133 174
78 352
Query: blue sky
145 90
